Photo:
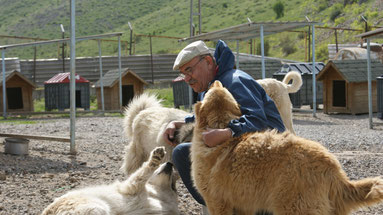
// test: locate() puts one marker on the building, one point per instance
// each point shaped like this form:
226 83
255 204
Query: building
132 85
18 92
345 87
57 92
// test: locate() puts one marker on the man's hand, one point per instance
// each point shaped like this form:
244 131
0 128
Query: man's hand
214 137
169 132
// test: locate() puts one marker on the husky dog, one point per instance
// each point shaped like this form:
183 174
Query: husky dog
149 190
277 172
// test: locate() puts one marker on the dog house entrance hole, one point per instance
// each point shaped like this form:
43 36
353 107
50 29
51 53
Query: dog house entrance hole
78 99
15 98
127 94
339 93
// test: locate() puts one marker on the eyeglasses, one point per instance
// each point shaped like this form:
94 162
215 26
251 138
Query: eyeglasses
189 71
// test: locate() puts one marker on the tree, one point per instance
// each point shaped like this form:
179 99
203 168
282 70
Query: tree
279 8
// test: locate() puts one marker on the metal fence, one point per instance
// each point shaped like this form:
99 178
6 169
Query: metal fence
158 69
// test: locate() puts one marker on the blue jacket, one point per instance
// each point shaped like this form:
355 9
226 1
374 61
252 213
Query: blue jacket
259 111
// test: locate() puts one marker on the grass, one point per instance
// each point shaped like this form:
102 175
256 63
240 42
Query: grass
170 18
17 120
165 94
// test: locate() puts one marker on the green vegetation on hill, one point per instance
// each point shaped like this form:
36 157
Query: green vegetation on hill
32 18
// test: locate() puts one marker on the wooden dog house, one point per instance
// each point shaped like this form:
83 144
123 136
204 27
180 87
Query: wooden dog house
132 85
345 87
18 92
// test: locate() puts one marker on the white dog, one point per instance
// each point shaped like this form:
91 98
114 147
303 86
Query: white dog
146 119
144 123
279 93
149 190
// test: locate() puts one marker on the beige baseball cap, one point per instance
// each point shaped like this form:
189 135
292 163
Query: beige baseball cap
189 52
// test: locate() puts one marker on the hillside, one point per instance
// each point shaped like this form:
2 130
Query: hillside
32 18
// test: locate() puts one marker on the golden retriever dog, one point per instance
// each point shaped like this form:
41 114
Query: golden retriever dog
149 190
279 93
278 172
145 120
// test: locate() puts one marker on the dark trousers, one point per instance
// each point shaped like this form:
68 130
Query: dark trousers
181 161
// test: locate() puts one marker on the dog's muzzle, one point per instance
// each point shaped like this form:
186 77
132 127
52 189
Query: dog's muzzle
168 169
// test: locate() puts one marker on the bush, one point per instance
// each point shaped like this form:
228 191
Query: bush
266 47
336 11
279 8
321 54
288 46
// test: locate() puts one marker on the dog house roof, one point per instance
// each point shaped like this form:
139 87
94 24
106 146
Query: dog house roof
10 74
112 77
65 78
353 70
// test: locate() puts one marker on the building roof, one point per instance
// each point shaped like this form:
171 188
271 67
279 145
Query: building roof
10 74
65 78
378 33
353 70
112 77
303 68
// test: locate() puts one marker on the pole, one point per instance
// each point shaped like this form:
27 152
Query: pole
119 70
309 35
4 87
336 41
314 80
199 17
130 42
263 54
191 18
101 82
237 63
369 84
72 77
151 59
34 64
131 38
63 51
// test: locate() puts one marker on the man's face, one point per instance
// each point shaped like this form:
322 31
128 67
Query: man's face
197 73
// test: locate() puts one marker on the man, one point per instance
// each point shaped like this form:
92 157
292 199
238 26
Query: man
200 69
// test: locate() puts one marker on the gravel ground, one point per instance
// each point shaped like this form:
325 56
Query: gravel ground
29 183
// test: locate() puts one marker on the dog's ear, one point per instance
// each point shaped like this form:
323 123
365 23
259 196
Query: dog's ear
217 84
237 110
200 121
197 108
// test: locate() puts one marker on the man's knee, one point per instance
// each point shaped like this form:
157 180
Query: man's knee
180 153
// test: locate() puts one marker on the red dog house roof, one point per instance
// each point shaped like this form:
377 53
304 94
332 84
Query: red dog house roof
65 78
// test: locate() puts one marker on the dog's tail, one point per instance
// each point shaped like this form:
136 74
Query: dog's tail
138 104
297 81
362 193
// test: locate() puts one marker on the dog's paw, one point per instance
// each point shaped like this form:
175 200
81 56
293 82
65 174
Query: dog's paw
157 155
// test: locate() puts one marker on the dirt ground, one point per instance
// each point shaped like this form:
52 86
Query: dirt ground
29 183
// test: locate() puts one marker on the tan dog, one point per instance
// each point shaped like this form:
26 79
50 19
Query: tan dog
149 190
277 172
279 93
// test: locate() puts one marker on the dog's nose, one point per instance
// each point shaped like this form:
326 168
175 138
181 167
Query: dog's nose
168 168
